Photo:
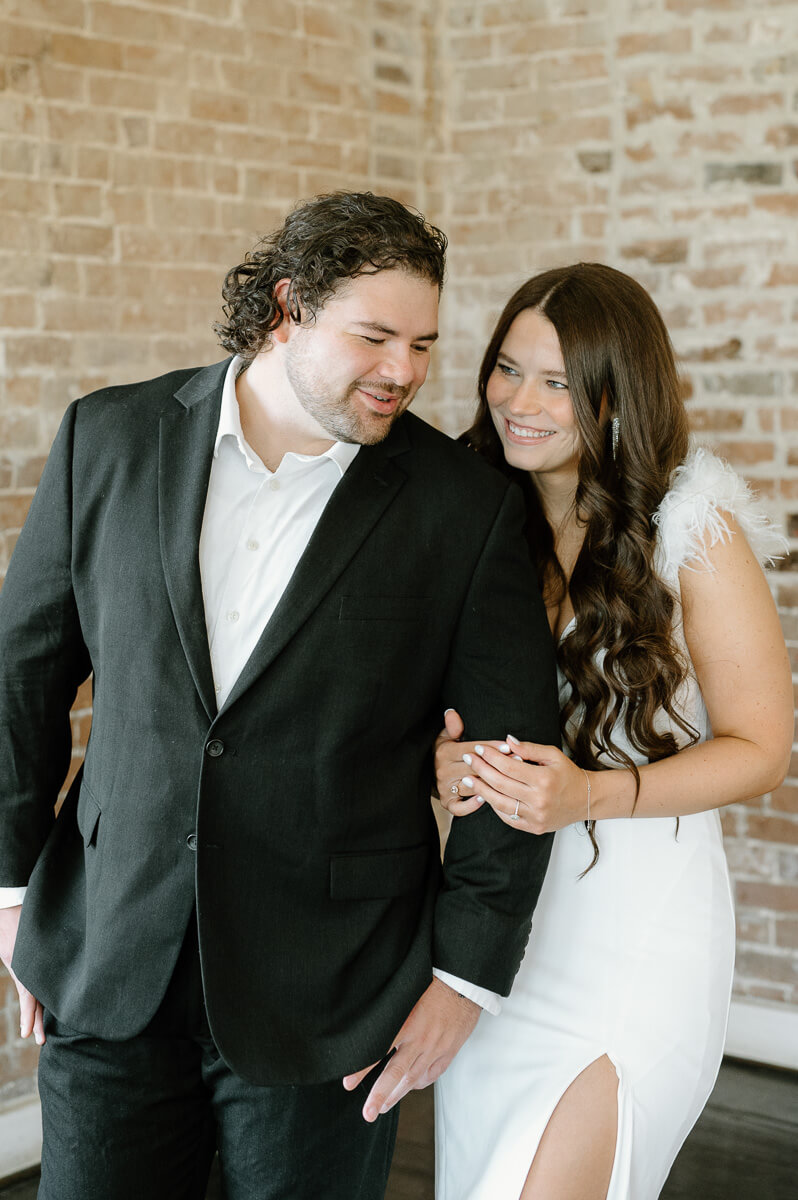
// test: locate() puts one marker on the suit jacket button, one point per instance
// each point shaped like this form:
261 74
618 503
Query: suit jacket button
191 841
215 748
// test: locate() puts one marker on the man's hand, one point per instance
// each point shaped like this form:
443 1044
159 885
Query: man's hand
438 1025
31 1020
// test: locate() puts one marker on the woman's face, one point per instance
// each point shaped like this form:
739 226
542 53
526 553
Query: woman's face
529 401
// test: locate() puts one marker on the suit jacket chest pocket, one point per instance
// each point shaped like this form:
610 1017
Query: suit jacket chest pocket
382 640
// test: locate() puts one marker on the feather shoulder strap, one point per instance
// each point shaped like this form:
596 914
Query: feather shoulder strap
692 516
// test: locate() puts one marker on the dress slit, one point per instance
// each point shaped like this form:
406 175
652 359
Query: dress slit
618 1184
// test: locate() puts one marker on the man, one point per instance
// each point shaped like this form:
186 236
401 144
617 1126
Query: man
279 581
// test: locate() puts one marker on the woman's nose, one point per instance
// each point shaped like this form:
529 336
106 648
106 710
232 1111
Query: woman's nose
525 400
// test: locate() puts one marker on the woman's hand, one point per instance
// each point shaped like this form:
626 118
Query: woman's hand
533 788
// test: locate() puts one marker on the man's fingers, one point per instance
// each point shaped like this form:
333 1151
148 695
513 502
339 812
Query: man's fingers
350 1082
462 808
395 1080
38 1025
27 1012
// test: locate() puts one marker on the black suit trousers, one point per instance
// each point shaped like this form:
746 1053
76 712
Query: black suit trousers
142 1119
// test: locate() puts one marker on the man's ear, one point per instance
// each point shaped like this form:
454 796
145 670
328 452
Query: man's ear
282 332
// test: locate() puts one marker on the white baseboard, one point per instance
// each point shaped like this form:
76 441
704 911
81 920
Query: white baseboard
764 1033
20 1138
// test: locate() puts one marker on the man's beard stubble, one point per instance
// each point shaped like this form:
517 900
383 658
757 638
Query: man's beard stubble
339 415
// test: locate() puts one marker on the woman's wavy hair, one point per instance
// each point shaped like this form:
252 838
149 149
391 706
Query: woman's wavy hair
620 364
322 243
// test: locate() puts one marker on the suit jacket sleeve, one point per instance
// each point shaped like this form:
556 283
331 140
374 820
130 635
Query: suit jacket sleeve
43 660
501 679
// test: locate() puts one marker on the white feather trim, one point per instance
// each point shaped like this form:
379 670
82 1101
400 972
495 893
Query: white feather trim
692 516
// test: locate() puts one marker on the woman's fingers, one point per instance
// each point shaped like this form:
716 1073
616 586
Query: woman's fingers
533 751
509 776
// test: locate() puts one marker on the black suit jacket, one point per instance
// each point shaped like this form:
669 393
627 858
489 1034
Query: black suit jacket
297 818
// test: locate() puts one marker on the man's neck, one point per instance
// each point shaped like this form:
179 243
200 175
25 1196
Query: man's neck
273 422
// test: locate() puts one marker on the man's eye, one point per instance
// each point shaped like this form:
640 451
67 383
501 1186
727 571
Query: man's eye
421 349
373 341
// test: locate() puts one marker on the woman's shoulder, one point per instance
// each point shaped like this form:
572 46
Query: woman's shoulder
694 515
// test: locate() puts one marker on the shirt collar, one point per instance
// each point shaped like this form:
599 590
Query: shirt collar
341 453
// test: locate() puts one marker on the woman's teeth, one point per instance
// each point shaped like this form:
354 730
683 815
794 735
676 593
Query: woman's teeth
523 432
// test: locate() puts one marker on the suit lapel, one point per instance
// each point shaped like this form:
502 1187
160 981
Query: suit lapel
357 504
187 436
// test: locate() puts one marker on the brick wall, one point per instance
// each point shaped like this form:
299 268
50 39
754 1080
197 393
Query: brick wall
144 146
660 136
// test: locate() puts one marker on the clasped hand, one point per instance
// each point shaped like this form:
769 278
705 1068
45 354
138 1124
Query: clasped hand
530 787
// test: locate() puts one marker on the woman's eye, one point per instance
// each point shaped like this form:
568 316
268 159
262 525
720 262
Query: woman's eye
505 370
557 383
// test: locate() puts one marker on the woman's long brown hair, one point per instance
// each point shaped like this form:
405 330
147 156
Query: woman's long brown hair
620 363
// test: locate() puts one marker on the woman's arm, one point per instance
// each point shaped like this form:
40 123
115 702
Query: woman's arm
735 641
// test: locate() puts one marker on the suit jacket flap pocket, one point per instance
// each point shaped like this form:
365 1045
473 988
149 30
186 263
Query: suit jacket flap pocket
380 874
88 815
383 608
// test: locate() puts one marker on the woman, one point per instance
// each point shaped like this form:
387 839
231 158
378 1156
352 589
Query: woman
587 1083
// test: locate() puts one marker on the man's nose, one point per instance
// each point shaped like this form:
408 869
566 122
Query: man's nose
398 366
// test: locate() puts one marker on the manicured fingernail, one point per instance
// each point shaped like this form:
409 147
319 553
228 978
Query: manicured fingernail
512 739
518 756
479 749
467 780
447 710
467 759
479 799
504 748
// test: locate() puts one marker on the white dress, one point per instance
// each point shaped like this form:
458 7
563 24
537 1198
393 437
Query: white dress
634 960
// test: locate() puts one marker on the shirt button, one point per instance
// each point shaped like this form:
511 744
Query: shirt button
253 545
217 688
191 841
214 748
274 485
233 616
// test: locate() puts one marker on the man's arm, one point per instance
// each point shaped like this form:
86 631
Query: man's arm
501 678
43 660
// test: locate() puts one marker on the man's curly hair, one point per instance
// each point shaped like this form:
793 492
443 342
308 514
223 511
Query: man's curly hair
323 242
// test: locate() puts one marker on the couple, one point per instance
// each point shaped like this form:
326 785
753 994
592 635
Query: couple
279 581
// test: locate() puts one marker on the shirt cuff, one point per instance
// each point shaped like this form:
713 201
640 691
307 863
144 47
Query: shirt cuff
490 1001
9 897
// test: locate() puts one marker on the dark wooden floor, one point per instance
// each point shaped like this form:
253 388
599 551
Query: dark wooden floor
744 1147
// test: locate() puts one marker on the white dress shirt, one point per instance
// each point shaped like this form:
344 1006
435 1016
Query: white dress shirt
256 527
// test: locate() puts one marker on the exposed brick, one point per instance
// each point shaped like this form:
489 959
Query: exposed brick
760 965
777 897
772 829
675 41
783 206
769 173
716 420
666 250
741 105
